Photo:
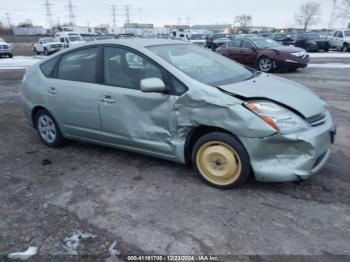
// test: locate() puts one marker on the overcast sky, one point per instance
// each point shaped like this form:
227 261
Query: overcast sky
275 13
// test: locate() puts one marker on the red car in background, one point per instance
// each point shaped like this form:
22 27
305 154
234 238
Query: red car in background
265 54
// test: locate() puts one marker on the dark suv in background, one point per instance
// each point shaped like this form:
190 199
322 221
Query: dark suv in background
312 42
215 40
284 38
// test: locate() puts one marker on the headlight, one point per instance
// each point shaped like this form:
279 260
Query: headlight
299 54
279 118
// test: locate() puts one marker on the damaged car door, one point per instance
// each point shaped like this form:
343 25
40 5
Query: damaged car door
130 117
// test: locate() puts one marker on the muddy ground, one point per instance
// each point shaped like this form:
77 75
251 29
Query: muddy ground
150 206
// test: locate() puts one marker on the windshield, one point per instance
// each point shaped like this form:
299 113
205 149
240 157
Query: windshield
48 40
203 65
347 33
266 43
217 36
197 37
282 36
75 38
312 36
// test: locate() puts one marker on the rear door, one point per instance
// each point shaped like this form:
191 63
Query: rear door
232 50
131 118
73 93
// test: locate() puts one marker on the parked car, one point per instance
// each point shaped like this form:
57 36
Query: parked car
265 54
47 46
198 39
5 49
215 40
69 39
183 103
312 42
284 38
341 40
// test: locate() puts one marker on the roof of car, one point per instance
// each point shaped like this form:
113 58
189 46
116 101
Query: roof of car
139 42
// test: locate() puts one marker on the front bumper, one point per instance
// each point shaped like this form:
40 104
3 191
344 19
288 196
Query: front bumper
5 52
292 64
294 157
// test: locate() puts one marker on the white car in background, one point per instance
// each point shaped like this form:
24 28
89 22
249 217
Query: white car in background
69 39
341 40
47 46
5 49
197 39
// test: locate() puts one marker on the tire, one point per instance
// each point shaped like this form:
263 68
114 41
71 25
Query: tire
10 56
221 160
265 64
48 130
46 52
346 48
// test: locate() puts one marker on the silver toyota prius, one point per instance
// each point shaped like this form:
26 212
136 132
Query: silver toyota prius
180 102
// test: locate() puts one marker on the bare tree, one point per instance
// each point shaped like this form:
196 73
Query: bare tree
344 10
308 14
243 20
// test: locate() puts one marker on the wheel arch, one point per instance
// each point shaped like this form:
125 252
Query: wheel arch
195 134
35 110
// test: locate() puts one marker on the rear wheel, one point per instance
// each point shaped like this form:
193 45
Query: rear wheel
221 160
48 129
46 52
346 48
265 64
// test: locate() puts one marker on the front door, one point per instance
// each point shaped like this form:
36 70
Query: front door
248 53
131 118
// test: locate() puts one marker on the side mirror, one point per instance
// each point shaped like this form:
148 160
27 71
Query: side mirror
253 49
152 85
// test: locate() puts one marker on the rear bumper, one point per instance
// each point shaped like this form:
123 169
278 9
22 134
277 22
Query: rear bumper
285 158
5 52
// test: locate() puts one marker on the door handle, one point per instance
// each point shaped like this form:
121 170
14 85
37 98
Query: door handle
52 91
107 99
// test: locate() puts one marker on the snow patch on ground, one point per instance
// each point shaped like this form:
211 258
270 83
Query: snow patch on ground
31 251
330 55
330 65
70 244
19 62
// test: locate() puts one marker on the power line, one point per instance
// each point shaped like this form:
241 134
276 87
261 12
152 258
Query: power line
48 5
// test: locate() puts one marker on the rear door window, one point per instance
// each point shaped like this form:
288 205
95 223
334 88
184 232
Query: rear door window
79 66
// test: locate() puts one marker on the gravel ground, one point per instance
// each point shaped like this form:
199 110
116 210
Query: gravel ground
150 206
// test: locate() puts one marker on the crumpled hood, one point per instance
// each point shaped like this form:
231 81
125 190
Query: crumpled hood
280 90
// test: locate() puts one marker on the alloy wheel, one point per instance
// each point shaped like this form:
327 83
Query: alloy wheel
47 129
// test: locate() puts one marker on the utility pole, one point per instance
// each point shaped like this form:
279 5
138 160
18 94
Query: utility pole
179 21
333 14
188 20
127 13
48 5
71 15
8 18
114 16
140 15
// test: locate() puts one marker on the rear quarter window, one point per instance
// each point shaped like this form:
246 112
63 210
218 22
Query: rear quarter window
47 68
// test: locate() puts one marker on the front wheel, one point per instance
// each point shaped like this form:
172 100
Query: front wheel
221 160
265 64
48 130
